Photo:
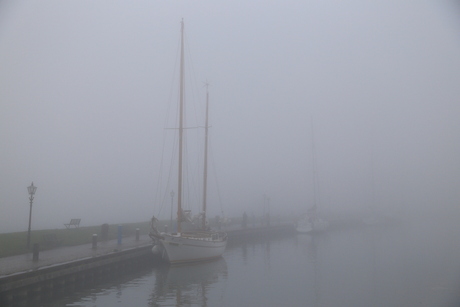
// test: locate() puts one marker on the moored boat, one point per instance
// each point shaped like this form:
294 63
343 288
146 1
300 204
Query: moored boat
196 245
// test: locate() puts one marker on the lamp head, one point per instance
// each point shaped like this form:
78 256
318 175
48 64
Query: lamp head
32 189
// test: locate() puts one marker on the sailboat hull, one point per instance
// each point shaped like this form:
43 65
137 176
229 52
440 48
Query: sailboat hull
192 247
304 226
200 245
312 226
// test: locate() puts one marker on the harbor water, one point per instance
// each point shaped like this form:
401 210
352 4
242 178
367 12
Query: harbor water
413 264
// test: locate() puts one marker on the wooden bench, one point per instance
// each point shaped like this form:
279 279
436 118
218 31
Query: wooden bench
51 240
73 222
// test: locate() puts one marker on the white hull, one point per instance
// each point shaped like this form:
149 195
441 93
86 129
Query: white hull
320 225
307 226
304 226
192 247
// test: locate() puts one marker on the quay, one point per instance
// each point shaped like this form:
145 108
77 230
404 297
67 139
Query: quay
24 280
64 269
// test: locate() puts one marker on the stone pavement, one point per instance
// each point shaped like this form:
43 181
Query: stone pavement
22 263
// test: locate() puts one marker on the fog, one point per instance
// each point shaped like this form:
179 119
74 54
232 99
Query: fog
87 87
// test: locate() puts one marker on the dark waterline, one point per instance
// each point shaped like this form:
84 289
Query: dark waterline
415 264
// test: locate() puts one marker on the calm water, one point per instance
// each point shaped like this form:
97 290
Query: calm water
414 265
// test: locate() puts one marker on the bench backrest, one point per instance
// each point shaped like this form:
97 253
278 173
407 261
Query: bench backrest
75 221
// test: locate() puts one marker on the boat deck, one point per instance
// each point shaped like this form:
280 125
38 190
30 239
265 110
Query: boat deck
202 235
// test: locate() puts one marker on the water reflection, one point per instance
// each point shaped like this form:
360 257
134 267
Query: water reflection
371 238
267 255
186 285
404 266
244 255
310 247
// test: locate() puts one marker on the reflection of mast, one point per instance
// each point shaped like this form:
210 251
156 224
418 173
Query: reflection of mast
374 270
203 293
316 285
178 298
267 252
187 285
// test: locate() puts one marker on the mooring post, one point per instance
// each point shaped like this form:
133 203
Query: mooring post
137 234
120 228
95 241
35 252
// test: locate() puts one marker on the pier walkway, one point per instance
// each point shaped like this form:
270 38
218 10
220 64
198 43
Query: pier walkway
23 263
23 280
13 265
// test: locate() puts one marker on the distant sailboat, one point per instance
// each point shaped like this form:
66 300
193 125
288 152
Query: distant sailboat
311 222
196 245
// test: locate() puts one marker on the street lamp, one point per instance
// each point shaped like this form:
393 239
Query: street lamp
31 190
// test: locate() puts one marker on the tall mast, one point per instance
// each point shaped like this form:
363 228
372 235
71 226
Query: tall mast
181 128
314 161
205 174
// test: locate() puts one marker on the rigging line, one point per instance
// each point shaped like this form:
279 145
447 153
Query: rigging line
190 190
185 175
191 75
159 186
211 155
194 165
189 181
171 169
194 186
160 175
191 96
158 198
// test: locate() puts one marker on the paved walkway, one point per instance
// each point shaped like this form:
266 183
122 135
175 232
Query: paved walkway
21 263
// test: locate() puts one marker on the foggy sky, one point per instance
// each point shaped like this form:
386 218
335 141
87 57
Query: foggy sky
85 88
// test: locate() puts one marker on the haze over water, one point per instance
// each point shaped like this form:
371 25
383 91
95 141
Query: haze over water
85 89
85 93
406 265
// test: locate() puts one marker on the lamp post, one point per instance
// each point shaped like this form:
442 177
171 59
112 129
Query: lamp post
172 205
31 190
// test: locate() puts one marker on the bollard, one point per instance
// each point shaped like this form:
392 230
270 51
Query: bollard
95 241
35 252
119 234
137 234
166 228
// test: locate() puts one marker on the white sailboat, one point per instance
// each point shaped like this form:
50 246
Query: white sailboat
196 245
311 222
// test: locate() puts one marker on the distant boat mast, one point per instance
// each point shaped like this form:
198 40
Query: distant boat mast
205 174
181 129
313 160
